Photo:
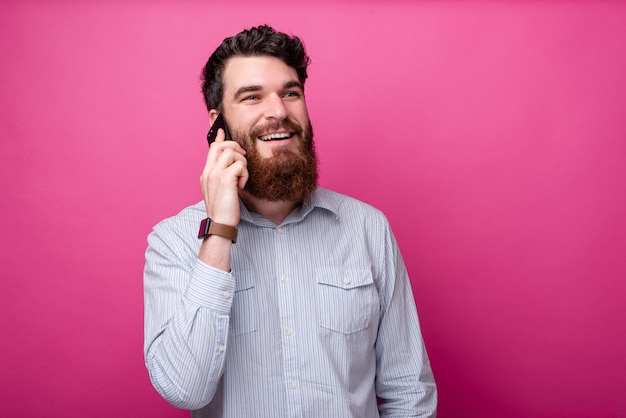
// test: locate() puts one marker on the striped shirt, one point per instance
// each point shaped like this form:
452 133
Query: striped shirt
316 318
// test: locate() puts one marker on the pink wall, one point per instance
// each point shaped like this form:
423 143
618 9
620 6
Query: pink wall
492 135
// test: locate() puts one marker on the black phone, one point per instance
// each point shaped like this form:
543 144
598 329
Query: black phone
219 123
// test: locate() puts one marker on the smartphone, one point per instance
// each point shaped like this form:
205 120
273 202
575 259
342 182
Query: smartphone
219 123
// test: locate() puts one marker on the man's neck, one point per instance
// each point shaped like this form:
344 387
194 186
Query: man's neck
275 212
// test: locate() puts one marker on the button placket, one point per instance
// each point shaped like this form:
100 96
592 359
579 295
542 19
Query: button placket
287 305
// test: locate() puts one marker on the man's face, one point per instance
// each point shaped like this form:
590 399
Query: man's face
266 113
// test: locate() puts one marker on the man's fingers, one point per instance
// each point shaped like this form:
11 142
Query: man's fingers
221 136
221 146
225 159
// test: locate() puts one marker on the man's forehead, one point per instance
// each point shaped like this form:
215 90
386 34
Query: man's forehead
243 71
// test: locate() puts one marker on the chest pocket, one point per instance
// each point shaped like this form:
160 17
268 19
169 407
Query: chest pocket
347 299
242 313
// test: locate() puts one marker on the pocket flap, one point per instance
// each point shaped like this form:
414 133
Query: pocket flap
344 278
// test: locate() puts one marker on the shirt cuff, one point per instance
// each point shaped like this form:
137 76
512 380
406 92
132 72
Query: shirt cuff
211 288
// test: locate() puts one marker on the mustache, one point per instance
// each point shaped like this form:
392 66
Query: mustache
285 124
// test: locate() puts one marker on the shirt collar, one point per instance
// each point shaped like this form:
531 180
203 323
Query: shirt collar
323 199
320 198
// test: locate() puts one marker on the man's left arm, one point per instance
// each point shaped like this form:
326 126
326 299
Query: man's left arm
405 384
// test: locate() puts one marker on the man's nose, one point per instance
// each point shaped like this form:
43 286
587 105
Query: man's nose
275 108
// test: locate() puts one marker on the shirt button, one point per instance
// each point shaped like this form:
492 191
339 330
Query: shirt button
280 230
221 348
226 294
284 279
292 384
289 331
346 281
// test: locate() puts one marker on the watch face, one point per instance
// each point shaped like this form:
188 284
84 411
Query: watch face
204 228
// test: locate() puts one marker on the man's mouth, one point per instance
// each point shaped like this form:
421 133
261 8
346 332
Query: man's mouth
278 136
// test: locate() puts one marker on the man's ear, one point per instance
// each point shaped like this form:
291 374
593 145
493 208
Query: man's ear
212 115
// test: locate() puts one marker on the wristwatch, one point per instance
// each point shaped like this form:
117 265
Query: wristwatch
208 227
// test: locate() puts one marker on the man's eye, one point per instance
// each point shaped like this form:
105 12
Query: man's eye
251 97
292 94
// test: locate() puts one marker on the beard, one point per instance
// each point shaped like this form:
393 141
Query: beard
288 175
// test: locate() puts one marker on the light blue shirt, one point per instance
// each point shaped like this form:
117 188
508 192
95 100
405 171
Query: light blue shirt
316 318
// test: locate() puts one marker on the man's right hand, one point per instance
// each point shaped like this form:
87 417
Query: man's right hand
225 172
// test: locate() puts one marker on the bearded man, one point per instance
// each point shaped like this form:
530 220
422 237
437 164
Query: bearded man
291 300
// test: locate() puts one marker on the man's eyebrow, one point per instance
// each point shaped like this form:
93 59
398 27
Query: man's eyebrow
292 84
246 89
249 89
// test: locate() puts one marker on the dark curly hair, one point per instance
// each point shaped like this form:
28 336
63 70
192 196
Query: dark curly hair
258 41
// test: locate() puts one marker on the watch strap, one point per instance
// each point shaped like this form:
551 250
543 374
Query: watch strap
209 227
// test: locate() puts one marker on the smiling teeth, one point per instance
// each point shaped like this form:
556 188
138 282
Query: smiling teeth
269 137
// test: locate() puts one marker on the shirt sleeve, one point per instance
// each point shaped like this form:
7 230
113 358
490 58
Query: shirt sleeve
405 384
186 318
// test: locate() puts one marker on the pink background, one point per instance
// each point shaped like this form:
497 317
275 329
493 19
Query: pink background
492 134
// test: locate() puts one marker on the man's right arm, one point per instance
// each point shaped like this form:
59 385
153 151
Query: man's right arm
187 310
189 293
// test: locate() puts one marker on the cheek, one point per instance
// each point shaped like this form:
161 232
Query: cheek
302 115
242 119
